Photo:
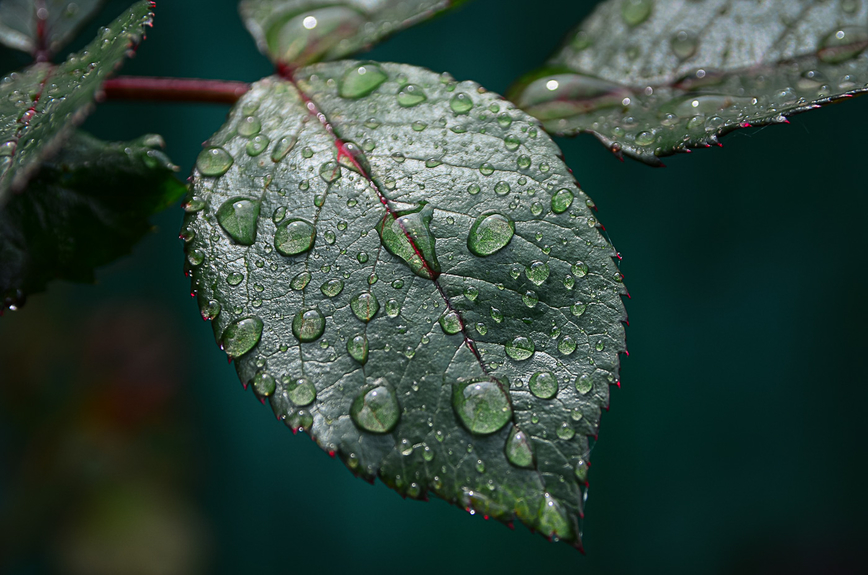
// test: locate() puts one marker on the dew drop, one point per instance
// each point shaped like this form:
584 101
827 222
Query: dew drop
308 325
410 95
249 126
537 272
301 392
461 103
523 162
357 347
518 449
578 309
536 208
362 257
530 299
501 188
504 119
450 322
257 145
376 408
566 431
483 407
634 12
300 281
473 189
567 345
645 138
569 281
580 269
330 171
282 147
496 315
543 384
520 348
584 384
234 278
238 217
263 384
241 336
512 143
359 81
490 233
471 293
486 169
213 161
365 306
294 237
407 235
393 308
332 287
683 44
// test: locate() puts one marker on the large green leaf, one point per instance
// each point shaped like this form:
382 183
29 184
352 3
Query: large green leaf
41 105
86 207
300 32
486 322
654 77
33 25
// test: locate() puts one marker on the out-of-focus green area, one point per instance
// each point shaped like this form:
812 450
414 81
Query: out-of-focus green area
735 445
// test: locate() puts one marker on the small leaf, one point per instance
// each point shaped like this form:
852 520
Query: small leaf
86 207
22 22
300 32
407 240
653 77
40 105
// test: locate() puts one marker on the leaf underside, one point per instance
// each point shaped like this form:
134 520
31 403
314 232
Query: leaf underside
86 207
301 32
41 105
411 357
653 77
20 22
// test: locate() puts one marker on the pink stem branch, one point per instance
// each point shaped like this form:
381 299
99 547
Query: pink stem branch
174 89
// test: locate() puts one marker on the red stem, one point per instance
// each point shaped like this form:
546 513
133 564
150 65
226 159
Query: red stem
174 89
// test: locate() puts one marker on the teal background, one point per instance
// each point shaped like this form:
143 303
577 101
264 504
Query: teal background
737 441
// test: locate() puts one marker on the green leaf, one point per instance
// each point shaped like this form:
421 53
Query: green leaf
653 77
42 104
59 20
300 32
86 207
421 256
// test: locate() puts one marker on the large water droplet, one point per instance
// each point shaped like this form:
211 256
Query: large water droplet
238 217
257 145
843 44
330 171
543 384
357 347
411 95
263 384
537 272
355 159
376 408
553 519
332 287
482 406
530 298
407 235
294 237
471 293
213 161
361 80
518 449
584 383
249 126
308 325
282 147
240 336
461 103
301 391
365 306
450 322
567 345
684 44
520 348
300 281
393 308
634 12
562 200
490 233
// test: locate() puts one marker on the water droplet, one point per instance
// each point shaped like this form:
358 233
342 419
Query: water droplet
461 103
849 6
263 384
578 309
301 391
490 233
480 466
411 95
359 81
565 95
213 161
562 200
566 431
419 126
645 138
308 325
238 217
450 322
241 336
249 126
683 44
536 208
518 449
196 257
393 308
496 315
582 471
843 44
257 145
523 162
234 278
330 171
543 384
365 306
600 346
210 310
584 384
483 407
634 12
569 282
486 169
376 408
303 36
580 269
511 142
294 237
194 204
306 152
530 298
520 348
282 148
330 237
407 235
473 189
353 158
357 347
501 188
537 272
332 287
362 257
300 281
567 345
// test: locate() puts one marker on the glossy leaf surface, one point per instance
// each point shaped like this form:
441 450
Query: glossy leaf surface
33 25
408 271
41 105
300 32
86 207
654 77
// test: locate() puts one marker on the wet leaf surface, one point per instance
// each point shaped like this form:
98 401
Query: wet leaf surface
59 20
41 105
390 273
300 32
86 207
653 77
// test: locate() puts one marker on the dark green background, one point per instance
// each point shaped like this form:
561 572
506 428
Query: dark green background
736 443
